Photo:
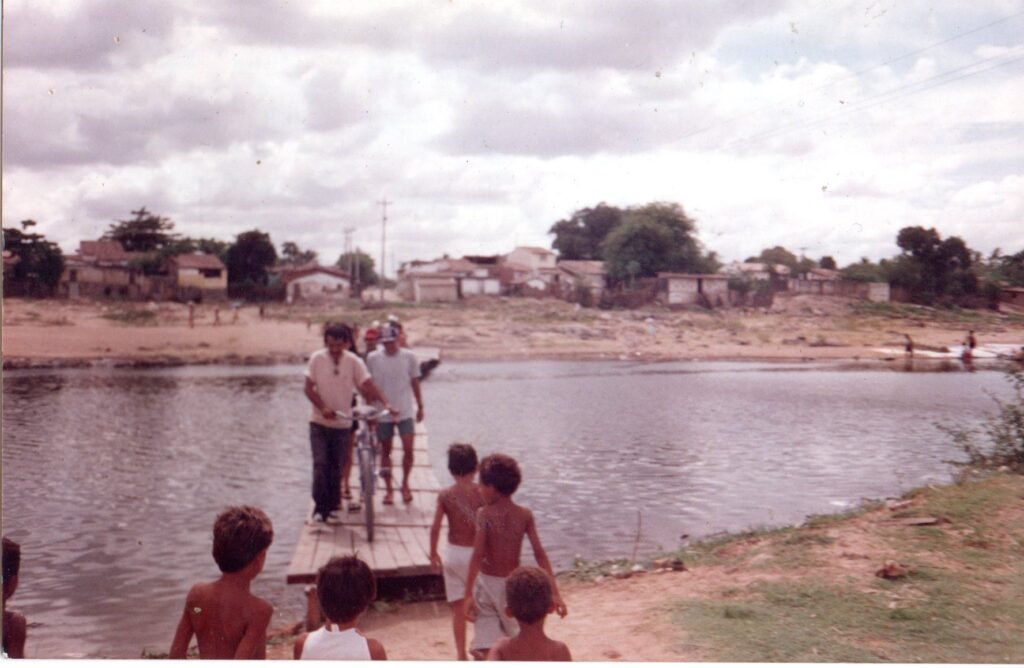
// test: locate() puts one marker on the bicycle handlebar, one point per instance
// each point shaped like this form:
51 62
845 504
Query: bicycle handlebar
364 414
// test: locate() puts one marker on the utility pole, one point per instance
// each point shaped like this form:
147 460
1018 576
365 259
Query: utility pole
383 227
348 252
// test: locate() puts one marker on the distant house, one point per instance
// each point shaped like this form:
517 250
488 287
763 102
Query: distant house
572 275
1011 296
469 278
709 290
431 286
758 271
313 282
536 258
100 269
198 276
816 281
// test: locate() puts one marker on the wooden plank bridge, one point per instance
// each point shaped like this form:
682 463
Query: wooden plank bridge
401 543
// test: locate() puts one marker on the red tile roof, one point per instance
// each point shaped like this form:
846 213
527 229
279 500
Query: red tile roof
103 250
198 261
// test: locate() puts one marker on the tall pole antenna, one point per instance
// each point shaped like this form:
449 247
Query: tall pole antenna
348 252
383 233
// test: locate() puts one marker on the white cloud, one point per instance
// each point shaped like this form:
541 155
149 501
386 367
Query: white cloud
771 123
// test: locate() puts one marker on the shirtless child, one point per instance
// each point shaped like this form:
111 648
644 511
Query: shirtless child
14 622
227 620
500 528
528 591
459 504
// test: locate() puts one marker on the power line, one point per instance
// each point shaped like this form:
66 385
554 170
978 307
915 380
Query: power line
885 97
854 75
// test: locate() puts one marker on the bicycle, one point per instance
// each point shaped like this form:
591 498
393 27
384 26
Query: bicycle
367 450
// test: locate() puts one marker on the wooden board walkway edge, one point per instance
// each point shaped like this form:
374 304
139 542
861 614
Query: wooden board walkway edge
402 531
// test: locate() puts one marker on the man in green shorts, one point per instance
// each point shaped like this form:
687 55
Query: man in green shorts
396 372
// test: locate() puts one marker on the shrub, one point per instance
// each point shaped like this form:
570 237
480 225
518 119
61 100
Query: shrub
1003 432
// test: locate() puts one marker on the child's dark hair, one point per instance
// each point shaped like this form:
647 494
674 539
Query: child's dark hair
345 587
239 535
528 592
461 459
338 331
12 560
500 472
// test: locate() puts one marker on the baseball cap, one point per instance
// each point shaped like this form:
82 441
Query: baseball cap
389 333
371 334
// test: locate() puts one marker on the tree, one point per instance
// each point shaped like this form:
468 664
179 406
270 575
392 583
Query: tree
292 255
1009 268
866 271
652 238
779 255
360 267
145 232
827 262
249 258
580 236
931 268
40 262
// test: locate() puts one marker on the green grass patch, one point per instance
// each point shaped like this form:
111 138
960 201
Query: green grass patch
131 316
801 621
962 602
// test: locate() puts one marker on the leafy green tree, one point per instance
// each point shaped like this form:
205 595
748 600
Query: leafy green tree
248 259
779 255
292 255
40 262
580 236
866 271
143 233
932 268
360 267
653 238
1009 268
827 262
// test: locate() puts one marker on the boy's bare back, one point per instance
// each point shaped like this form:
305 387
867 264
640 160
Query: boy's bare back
504 524
460 503
228 621
519 648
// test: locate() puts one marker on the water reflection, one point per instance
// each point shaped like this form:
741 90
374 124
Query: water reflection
112 478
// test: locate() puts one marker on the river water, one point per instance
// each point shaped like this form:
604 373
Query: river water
112 478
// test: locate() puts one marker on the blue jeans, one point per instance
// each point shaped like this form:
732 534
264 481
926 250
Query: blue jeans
330 448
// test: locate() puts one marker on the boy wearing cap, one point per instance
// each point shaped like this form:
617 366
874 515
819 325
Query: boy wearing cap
397 374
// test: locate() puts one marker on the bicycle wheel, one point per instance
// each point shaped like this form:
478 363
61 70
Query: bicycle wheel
366 482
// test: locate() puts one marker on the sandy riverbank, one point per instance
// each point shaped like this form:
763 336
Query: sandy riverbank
806 594
63 333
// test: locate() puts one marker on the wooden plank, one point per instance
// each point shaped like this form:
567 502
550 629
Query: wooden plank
401 541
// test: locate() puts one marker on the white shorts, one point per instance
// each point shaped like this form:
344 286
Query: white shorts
492 624
456 569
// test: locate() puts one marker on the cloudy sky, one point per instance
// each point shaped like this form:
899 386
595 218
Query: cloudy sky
822 126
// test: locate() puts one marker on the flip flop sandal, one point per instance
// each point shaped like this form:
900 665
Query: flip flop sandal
389 499
407 496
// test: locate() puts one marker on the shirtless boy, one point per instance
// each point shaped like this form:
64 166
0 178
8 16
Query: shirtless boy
459 504
227 620
500 528
14 622
528 591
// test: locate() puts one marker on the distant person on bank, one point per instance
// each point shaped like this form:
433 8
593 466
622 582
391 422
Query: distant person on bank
397 372
334 374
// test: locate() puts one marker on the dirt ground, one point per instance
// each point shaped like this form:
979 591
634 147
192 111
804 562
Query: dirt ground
631 618
803 327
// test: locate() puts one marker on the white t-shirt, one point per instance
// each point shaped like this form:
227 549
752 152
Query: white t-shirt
336 383
335 644
393 376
